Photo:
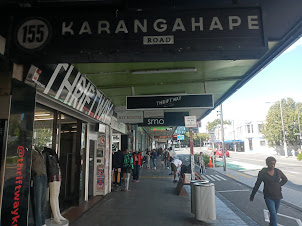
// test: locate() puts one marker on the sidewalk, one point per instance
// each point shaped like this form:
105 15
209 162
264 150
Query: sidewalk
153 201
290 196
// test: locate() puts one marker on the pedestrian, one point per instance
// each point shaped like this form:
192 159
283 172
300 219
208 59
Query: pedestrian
165 157
171 157
201 163
175 165
127 167
148 159
154 158
137 163
273 179
117 164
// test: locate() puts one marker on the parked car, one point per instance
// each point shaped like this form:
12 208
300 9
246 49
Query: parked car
219 153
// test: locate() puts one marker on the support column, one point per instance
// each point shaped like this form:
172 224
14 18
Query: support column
18 155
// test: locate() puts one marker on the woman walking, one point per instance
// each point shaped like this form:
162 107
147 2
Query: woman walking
273 179
148 159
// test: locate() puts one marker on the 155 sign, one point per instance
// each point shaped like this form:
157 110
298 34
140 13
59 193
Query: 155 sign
33 34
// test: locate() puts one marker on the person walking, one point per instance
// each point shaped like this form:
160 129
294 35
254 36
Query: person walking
137 163
165 154
201 163
148 159
154 158
273 179
117 164
127 167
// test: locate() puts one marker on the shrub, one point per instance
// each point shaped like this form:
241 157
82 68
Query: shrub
299 157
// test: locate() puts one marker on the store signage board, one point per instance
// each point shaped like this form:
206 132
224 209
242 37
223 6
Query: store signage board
65 84
158 129
120 127
152 102
154 114
96 35
170 119
190 121
162 137
132 117
180 137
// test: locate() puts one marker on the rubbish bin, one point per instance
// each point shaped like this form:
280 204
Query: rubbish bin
205 202
193 193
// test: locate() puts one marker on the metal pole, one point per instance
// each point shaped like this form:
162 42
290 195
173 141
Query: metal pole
192 155
284 139
234 136
299 126
222 139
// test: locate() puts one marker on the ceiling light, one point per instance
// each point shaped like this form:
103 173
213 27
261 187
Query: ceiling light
45 114
43 119
159 71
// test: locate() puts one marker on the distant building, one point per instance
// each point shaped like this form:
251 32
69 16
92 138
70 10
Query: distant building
246 132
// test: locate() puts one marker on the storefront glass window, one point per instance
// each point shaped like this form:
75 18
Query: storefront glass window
43 127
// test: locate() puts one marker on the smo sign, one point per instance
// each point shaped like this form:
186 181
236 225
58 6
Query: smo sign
95 35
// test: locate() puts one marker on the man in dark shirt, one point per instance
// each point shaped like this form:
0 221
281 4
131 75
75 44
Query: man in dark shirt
117 164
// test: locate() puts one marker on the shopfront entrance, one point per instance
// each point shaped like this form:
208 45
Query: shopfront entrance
67 136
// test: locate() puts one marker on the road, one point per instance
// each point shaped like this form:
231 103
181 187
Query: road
250 164
235 185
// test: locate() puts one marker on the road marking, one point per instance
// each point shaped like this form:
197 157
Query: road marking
207 177
156 177
291 172
222 178
218 179
231 176
242 174
263 161
266 217
234 190
213 177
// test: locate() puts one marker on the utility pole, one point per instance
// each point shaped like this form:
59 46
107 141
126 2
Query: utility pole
299 127
192 155
284 138
222 139
234 136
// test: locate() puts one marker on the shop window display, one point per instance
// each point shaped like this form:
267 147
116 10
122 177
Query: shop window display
45 170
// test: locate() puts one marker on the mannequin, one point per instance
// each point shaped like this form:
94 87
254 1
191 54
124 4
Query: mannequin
39 178
54 182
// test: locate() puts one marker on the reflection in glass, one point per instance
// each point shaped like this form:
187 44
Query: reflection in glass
43 127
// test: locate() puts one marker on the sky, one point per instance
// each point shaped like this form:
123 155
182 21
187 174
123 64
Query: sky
282 78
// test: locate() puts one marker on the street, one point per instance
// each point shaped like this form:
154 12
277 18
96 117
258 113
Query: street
236 182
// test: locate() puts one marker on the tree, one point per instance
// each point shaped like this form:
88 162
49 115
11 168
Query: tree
197 138
272 128
211 125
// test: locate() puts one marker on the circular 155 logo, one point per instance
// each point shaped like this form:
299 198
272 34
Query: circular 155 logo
33 34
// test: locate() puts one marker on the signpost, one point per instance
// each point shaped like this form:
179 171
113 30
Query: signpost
190 122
